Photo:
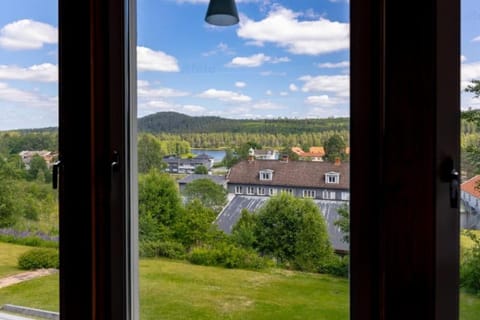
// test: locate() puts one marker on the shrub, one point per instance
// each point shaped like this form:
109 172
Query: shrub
336 266
167 249
39 258
228 256
470 266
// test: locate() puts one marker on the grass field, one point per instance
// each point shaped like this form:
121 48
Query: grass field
178 290
9 254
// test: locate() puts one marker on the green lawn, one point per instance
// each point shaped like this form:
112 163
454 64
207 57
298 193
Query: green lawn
178 290
9 254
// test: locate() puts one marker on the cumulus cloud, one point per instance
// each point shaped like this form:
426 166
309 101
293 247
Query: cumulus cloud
240 84
220 48
267 105
150 60
27 34
324 100
224 95
45 72
268 92
145 91
469 72
283 27
476 39
332 65
293 87
337 84
463 58
24 97
255 60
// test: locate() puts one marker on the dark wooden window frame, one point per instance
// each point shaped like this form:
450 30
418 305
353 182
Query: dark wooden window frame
404 141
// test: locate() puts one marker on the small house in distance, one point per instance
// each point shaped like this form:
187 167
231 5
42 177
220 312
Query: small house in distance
48 156
266 154
470 196
178 165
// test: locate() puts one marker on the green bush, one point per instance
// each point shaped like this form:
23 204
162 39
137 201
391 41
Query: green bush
31 241
167 249
336 266
228 256
470 266
39 258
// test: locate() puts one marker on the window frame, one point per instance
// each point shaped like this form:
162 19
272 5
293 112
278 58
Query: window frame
396 269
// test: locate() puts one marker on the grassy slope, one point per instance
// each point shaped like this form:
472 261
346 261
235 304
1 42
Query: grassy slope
177 290
9 254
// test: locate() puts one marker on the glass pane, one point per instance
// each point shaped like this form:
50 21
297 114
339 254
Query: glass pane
243 161
28 150
470 146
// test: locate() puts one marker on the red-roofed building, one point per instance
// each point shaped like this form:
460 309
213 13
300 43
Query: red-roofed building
470 195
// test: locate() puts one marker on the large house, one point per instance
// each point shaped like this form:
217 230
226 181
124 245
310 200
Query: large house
253 182
470 195
48 156
317 180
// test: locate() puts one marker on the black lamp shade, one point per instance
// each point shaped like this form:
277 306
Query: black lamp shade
222 13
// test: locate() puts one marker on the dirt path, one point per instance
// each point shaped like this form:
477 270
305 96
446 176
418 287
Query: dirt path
25 276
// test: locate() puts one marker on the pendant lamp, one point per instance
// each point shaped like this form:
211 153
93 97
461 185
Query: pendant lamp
222 13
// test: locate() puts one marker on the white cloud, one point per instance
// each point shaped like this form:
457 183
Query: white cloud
267 105
283 28
283 93
268 92
463 58
190 108
469 72
331 65
293 87
224 95
150 60
476 39
240 84
45 72
147 92
27 35
255 60
337 84
324 100
274 74
27 98
220 48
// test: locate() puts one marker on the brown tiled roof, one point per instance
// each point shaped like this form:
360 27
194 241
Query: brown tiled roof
470 186
307 174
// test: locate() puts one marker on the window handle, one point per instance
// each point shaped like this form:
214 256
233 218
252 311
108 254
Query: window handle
454 184
56 170
115 161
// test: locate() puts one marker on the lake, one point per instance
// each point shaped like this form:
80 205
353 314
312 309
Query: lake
217 155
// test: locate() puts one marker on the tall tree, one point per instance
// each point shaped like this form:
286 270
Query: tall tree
159 203
210 194
194 224
150 155
335 148
293 231
343 222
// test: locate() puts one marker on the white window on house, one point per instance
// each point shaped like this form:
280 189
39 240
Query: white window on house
250 190
261 191
332 177
238 189
345 196
325 194
266 174
309 193
333 195
272 191
287 190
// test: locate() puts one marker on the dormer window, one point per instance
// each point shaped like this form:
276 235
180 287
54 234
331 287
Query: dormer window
266 174
332 177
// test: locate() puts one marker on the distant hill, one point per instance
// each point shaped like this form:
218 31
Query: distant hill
173 122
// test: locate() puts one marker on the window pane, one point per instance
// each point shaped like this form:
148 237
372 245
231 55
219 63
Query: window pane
469 211
28 150
243 154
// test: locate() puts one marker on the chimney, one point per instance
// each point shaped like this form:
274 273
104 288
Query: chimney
251 155
285 158
337 161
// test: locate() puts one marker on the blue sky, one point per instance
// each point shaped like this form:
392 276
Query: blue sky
285 59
